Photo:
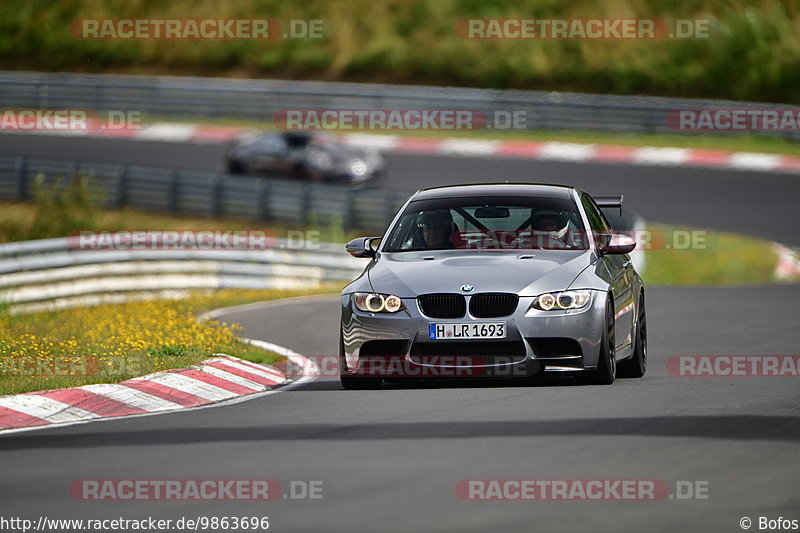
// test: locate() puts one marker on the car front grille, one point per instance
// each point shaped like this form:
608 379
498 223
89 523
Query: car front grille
493 305
442 305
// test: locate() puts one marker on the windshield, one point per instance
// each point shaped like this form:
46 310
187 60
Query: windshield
488 223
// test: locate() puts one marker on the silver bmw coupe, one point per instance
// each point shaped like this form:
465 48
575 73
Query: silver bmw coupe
495 280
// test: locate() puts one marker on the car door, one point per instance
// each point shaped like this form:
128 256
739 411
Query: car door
270 155
620 272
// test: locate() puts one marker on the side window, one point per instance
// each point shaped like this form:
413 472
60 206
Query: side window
597 221
272 145
606 223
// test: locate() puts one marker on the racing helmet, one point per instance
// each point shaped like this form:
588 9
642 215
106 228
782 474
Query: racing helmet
440 217
552 223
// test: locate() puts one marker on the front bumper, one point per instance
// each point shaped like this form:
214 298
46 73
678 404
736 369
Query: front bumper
370 179
398 344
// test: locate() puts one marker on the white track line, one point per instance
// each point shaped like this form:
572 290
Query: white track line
754 161
468 147
167 132
651 155
556 151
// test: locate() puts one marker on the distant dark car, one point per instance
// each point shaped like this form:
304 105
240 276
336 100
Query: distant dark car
318 157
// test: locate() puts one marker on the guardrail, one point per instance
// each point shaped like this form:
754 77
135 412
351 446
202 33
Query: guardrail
57 273
50 274
293 203
260 99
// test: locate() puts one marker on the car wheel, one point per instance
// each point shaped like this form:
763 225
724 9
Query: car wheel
348 380
300 172
606 364
636 366
235 167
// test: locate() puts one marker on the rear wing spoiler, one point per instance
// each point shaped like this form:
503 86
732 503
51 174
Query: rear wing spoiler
609 202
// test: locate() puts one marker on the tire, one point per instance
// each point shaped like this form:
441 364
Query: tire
299 172
348 380
235 167
606 364
636 366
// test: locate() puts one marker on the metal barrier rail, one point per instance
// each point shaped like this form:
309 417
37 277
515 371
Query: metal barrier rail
50 274
293 203
260 99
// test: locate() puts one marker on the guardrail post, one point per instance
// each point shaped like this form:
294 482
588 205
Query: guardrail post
349 221
306 206
174 190
654 120
121 178
72 171
262 192
42 90
390 211
218 189
22 181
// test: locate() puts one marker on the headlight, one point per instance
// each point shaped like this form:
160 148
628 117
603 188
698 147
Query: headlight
558 301
358 167
377 303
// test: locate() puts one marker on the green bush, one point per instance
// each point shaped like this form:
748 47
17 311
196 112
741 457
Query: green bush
62 209
753 54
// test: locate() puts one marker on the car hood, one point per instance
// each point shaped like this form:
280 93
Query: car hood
524 272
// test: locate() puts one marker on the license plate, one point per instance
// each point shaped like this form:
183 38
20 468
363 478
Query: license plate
473 330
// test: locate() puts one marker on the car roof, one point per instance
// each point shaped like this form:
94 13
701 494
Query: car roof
496 189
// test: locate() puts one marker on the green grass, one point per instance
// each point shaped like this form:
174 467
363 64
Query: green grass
726 259
112 343
752 54
23 221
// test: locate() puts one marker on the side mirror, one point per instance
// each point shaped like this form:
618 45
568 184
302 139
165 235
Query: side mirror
618 244
361 247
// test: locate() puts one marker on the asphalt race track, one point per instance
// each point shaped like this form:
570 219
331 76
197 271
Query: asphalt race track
390 459
751 203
